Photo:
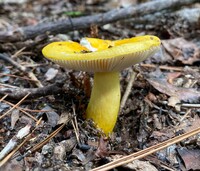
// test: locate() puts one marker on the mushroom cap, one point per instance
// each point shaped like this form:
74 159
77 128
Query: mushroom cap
110 56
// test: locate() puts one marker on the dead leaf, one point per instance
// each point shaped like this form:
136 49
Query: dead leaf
178 93
182 50
50 74
4 71
190 157
172 75
52 116
162 135
3 106
13 165
190 125
14 117
79 155
172 101
64 118
102 150
141 166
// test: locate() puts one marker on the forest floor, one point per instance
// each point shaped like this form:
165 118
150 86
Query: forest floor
42 105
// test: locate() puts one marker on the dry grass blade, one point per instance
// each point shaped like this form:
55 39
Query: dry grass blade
146 152
14 106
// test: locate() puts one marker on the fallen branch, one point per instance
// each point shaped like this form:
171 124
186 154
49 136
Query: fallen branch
68 24
18 93
184 22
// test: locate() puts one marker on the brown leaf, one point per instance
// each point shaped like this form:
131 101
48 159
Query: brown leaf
184 94
172 75
14 117
63 118
182 50
79 155
13 165
190 157
102 149
140 166
52 116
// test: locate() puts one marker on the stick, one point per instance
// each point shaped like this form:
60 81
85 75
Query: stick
18 93
127 91
66 25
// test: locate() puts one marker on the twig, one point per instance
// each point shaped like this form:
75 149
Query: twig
18 93
30 74
146 152
64 26
190 105
128 90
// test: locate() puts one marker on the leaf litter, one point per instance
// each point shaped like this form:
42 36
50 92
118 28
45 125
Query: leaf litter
145 120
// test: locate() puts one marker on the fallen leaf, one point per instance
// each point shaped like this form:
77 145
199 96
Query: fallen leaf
66 146
182 50
178 93
64 117
13 165
190 157
172 75
141 166
79 155
52 116
3 106
3 74
50 74
162 135
14 117
102 150
190 124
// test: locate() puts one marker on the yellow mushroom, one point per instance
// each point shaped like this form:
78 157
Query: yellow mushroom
106 59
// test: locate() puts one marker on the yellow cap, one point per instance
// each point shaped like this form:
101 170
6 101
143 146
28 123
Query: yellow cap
109 56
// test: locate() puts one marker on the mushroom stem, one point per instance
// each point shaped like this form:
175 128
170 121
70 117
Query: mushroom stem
104 103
